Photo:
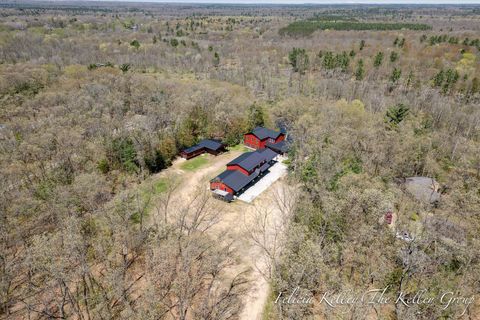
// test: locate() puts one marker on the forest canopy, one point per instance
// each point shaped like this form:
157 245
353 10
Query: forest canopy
101 219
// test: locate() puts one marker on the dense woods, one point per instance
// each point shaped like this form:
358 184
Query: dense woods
98 98
309 26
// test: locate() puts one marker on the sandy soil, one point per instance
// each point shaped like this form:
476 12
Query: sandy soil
236 219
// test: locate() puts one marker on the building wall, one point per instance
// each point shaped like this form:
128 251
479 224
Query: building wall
262 144
192 154
251 141
237 167
221 186
214 152
280 138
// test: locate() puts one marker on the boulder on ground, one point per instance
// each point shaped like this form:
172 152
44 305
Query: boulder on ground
424 189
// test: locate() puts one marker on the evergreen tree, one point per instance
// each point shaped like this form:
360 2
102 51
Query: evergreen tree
121 154
393 56
125 67
328 61
396 114
451 77
378 60
362 45
135 44
342 61
299 60
174 42
410 78
155 161
256 117
360 72
216 59
438 79
395 76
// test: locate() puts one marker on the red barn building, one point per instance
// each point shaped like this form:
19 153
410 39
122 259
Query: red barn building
241 172
259 137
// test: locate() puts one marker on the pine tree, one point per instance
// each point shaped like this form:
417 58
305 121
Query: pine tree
378 60
410 78
360 72
174 42
451 77
396 114
135 44
328 61
362 45
216 59
438 79
395 76
342 61
256 117
125 67
393 56
299 60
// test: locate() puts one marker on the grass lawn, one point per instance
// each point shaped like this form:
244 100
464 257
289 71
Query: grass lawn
160 186
153 188
195 163
239 147
147 193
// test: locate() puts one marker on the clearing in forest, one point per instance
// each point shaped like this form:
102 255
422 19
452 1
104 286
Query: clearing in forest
237 221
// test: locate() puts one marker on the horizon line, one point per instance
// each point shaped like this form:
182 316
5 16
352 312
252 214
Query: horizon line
273 2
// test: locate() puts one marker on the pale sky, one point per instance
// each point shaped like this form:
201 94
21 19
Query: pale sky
311 1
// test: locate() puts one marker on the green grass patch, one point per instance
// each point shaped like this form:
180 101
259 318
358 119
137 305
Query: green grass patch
195 163
239 147
154 188
147 195
269 309
160 186
414 216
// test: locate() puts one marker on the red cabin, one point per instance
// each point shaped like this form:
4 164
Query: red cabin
210 146
259 137
242 171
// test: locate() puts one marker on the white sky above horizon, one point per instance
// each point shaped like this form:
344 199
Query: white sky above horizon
305 1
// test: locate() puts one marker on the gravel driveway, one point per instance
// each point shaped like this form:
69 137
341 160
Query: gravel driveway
277 171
